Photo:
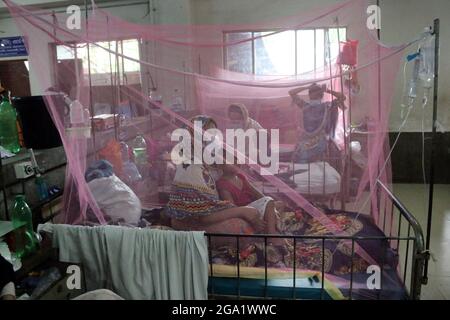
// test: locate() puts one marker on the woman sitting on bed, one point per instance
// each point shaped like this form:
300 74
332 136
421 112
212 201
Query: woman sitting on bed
194 202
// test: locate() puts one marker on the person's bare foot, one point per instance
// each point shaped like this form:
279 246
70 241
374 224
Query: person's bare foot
277 242
279 206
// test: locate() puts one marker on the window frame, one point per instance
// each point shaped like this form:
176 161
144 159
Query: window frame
122 73
253 54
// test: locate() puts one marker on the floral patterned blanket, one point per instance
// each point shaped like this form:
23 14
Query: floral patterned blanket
337 258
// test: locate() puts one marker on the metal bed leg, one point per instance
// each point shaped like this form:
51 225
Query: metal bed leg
294 267
399 231
265 267
407 254
238 261
351 269
383 256
323 270
211 264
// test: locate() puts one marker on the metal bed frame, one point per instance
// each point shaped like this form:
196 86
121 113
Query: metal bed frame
413 252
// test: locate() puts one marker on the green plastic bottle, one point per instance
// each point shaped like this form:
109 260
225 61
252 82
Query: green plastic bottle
140 150
9 138
23 224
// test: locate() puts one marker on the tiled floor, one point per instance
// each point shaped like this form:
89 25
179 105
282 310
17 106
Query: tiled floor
415 198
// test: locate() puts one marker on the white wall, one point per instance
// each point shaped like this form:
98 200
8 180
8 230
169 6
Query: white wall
250 11
402 20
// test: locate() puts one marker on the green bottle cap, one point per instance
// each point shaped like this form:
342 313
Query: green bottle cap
20 197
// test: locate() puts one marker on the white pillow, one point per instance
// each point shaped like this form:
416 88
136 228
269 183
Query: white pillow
319 178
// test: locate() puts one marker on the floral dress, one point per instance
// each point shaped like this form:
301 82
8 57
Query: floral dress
194 193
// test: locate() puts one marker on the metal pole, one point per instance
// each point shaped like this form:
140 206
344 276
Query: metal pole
379 115
347 151
379 68
433 140
2 184
91 107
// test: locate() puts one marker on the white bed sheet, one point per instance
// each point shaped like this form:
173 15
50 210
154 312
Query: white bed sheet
319 178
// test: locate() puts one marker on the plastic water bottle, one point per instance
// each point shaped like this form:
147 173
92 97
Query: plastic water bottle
9 138
77 113
140 150
23 224
130 171
124 150
79 117
177 102
140 155
42 188
41 185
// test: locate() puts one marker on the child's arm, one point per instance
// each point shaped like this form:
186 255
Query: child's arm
256 193
225 195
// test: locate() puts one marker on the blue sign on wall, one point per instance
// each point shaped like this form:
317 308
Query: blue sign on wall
12 47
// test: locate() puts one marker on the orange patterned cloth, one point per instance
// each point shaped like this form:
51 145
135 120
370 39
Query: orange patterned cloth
111 152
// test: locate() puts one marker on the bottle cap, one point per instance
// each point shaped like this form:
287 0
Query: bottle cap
20 197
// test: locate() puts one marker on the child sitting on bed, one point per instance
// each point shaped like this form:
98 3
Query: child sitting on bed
233 186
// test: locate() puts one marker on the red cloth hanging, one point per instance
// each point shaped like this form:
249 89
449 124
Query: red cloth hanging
349 53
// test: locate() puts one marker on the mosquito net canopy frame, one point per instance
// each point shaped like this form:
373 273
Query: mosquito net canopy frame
319 82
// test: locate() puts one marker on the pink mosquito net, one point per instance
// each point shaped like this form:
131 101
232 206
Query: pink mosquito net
129 80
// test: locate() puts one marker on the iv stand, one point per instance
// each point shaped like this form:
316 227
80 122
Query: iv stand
433 143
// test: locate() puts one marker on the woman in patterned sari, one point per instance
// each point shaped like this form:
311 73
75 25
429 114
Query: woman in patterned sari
194 202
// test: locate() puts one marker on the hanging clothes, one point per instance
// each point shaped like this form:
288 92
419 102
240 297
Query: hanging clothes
136 263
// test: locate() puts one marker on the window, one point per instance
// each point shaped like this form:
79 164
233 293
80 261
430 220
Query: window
104 63
290 52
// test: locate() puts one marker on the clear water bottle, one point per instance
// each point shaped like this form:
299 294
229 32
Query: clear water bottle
41 186
78 114
22 220
124 151
177 101
9 138
130 171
